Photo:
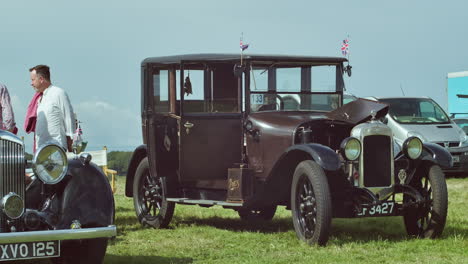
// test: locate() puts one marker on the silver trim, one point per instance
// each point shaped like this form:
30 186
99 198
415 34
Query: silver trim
64 234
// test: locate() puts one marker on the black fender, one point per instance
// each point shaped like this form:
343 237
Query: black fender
437 154
85 195
138 154
323 155
276 188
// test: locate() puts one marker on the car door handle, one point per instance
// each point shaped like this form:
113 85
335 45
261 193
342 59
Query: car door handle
188 126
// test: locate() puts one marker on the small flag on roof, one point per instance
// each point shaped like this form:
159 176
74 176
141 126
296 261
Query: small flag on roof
345 47
243 46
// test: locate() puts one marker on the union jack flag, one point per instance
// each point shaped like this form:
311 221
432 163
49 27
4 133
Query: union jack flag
243 46
345 47
78 130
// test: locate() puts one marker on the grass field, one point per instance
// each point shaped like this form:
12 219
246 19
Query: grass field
217 235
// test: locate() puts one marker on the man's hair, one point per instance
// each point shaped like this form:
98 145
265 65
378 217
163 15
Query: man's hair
42 70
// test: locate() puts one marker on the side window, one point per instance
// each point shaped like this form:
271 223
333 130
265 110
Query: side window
161 91
194 91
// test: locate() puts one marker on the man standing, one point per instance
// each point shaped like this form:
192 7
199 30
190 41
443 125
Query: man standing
55 119
7 118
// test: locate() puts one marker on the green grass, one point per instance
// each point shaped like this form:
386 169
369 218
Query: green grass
217 235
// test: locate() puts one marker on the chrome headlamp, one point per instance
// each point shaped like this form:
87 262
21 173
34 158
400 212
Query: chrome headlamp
412 147
12 205
50 164
351 148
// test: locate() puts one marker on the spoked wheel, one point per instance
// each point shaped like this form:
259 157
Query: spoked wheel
311 203
264 214
428 221
149 198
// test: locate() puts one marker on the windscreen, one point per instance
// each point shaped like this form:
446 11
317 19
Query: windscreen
416 111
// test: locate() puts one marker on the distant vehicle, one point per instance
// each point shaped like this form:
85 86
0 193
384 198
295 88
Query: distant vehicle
423 118
462 122
273 131
347 98
457 92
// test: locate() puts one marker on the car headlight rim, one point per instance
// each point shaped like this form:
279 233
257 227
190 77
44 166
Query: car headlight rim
412 147
50 163
12 205
351 148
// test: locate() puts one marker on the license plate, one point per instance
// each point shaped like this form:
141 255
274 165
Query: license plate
29 250
385 208
456 158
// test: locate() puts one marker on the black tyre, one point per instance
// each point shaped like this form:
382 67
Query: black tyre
311 203
89 251
264 214
428 221
149 198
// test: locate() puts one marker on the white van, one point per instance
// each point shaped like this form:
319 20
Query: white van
424 118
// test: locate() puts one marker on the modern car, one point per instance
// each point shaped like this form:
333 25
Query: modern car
422 117
65 211
256 132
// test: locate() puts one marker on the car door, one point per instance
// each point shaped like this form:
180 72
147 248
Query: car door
210 133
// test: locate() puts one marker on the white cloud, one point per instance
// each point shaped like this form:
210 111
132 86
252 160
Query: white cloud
105 124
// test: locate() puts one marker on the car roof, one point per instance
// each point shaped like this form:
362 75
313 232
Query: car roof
220 57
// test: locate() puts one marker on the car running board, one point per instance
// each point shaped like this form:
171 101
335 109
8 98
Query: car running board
204 202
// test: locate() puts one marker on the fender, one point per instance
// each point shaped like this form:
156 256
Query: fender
438 154
138 154
323 155
86 196
276 188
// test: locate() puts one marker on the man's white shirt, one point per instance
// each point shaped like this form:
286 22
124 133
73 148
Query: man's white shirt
55 118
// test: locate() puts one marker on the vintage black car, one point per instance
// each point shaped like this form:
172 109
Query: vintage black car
261 131
65 212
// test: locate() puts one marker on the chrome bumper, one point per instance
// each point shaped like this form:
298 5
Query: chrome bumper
63 234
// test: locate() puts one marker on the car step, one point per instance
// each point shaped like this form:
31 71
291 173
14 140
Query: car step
207 202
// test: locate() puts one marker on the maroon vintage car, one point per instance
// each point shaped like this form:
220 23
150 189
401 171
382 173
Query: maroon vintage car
268 131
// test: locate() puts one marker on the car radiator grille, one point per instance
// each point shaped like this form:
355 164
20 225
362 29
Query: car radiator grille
12 173
451 144
377 161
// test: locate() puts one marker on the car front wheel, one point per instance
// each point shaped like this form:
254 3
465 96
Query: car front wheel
428 221
149 198
311 203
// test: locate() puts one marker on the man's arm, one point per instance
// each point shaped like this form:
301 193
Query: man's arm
7 110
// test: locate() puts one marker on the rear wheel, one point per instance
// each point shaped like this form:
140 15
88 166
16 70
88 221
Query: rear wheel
149 198
311 203
428 221
265 213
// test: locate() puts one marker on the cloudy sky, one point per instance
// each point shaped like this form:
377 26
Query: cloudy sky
95 48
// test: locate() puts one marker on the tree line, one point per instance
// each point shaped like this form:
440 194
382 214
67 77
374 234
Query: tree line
119 160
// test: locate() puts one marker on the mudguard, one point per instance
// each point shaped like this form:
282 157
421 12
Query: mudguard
86 197
438 154
323 155
140 153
